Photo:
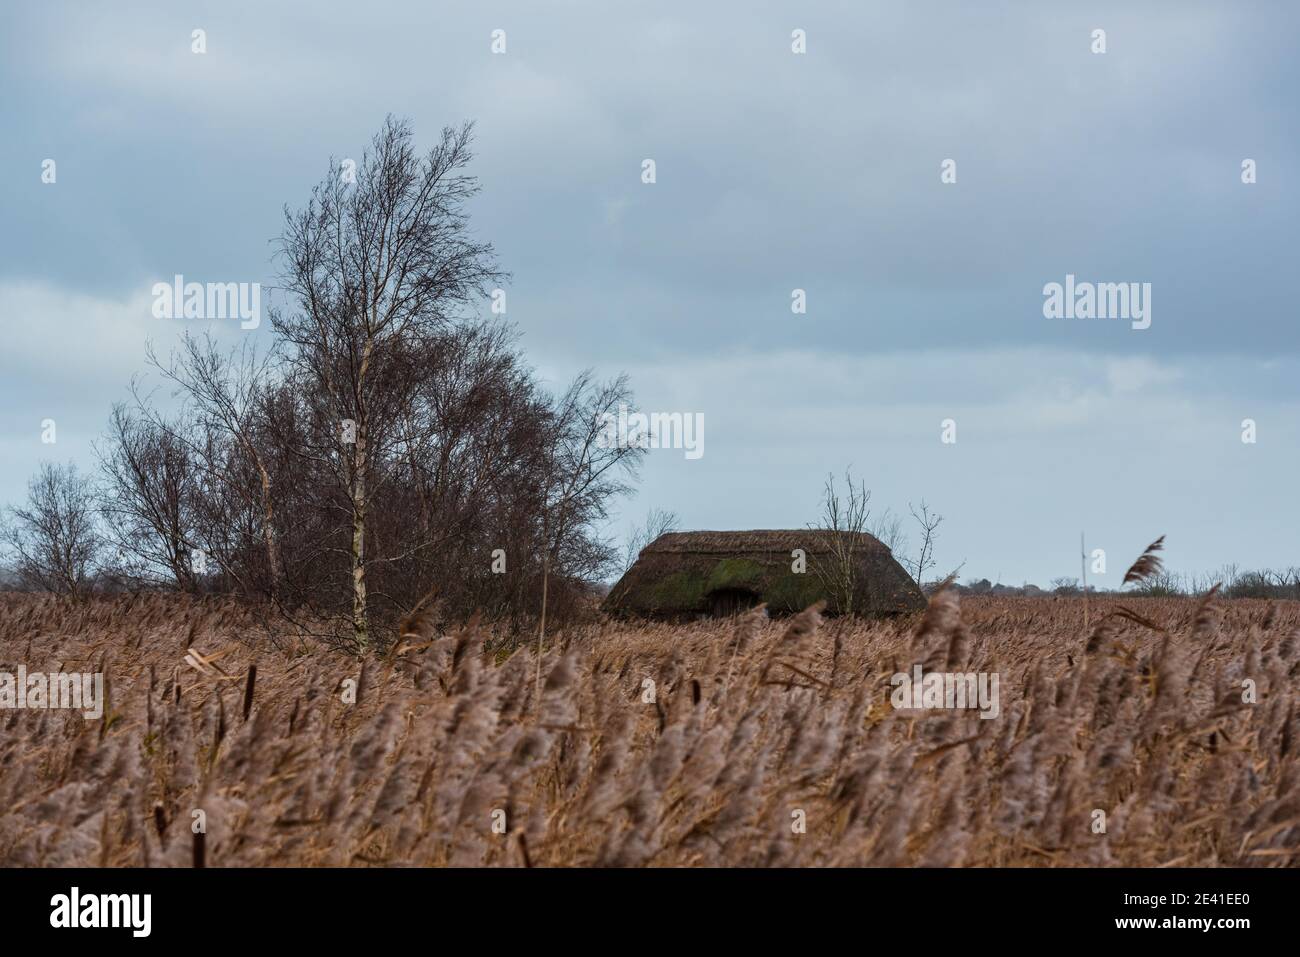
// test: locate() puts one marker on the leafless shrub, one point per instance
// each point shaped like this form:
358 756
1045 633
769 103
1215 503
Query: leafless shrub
53 539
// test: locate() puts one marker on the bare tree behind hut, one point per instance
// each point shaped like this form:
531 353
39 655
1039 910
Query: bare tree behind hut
844 520
888 529
928 522
658 521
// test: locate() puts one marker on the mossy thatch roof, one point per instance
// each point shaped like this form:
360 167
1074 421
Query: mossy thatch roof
683 574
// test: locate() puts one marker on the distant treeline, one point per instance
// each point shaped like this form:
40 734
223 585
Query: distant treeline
1233 582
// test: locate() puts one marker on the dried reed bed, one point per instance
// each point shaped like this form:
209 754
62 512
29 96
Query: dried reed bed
751 723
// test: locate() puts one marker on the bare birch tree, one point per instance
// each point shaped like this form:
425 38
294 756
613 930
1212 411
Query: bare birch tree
377 263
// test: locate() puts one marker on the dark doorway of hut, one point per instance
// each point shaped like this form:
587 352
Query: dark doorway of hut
726 602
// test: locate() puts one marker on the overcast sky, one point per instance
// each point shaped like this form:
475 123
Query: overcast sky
775 171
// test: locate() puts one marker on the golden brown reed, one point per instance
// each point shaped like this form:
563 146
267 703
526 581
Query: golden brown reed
747 742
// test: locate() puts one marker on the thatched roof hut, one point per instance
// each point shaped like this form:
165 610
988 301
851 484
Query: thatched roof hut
688 574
